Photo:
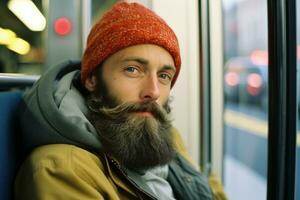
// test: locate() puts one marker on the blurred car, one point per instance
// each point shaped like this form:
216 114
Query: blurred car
245 80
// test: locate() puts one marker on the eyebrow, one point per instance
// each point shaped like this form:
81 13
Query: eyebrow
137 59
169 67
146 62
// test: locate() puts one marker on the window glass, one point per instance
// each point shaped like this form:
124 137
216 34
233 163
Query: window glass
246 98
37 47
29 54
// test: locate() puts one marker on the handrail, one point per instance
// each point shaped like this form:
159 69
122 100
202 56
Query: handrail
282 99
11 80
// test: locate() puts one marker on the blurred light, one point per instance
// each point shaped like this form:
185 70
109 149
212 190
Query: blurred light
253 91
28 13
254 84
259 57
6 36
62 26
232 78
254 80
19 46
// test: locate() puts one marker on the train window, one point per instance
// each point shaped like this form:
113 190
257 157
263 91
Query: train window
21 48
31 48
245 98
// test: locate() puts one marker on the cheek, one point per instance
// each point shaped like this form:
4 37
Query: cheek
164 96
124 91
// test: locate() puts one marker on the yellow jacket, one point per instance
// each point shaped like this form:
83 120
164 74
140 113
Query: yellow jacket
61 171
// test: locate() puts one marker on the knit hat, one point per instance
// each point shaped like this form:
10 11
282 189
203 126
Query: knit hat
127 24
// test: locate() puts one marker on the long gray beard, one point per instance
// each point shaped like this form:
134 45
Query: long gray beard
137 142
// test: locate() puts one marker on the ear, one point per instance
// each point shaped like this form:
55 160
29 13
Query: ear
90 83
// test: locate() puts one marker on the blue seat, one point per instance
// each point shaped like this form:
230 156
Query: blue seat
10 142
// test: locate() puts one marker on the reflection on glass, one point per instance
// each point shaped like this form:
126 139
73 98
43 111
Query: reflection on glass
246 98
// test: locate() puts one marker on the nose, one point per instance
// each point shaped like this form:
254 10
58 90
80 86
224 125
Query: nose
150 89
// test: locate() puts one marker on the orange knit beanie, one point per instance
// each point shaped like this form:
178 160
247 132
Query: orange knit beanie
127 24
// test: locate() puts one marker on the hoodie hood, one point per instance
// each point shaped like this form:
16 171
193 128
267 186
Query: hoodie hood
54 111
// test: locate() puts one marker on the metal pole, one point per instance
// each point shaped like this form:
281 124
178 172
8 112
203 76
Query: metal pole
205 88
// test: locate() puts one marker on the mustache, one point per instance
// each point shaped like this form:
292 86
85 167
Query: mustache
122 110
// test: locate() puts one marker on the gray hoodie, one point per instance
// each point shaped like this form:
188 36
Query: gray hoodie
54 111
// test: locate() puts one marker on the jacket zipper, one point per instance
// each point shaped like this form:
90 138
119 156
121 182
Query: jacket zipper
131 181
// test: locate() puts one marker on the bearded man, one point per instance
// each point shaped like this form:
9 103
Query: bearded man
101 129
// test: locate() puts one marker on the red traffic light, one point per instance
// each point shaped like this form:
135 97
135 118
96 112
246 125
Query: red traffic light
62 26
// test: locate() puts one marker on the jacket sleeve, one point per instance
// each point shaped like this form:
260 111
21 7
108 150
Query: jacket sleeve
52 172
214 182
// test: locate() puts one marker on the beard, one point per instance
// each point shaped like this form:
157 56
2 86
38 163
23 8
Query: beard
136 141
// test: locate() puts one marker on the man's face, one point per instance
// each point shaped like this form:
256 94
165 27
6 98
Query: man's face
129 106
139 73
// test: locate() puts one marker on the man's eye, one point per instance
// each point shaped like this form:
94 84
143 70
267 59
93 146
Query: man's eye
165 76
131 69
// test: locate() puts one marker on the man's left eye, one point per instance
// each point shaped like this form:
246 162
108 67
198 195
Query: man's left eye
165 76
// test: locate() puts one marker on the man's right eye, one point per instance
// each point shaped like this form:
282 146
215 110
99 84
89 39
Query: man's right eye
132 71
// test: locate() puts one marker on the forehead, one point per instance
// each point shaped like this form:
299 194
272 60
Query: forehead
152 54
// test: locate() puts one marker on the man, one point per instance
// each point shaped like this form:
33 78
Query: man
102 129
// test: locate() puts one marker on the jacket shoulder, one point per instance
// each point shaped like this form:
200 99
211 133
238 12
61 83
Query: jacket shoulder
60 171
62 155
